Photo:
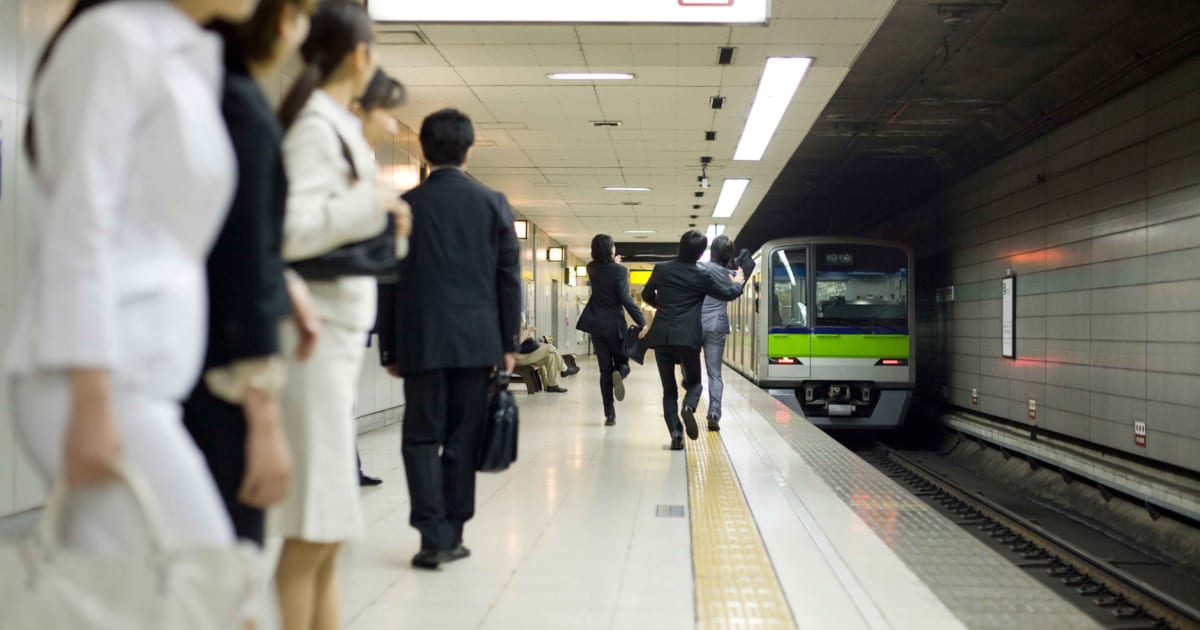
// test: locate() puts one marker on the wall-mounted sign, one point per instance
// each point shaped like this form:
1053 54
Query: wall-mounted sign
1008 319
574 11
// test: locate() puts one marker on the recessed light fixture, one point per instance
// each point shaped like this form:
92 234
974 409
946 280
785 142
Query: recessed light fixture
640 231
731 193
780 78
627 188
590 76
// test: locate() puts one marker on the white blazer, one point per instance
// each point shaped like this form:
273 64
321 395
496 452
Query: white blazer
134 176
326 208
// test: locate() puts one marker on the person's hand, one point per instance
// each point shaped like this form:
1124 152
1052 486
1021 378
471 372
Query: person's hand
304 315
618 258
643 332
92 445
394 371
398 208
739 277
268 462
510 362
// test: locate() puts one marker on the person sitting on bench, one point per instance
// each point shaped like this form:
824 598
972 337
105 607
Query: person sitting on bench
545 358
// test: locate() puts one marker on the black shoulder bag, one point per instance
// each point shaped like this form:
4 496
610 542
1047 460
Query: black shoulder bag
374 257
498 443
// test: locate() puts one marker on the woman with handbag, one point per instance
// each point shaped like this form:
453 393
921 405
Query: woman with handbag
111 329
333 203
603 320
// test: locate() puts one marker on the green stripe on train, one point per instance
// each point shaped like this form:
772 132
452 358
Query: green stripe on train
838 346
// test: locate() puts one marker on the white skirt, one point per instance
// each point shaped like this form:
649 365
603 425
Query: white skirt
323 503
106 519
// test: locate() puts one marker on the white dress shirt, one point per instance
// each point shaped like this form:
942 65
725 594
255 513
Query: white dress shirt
134 176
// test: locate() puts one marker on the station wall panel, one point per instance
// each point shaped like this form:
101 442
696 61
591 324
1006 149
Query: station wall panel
1100 222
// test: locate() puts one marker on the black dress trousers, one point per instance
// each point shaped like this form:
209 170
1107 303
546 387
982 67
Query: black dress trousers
688 359
444 411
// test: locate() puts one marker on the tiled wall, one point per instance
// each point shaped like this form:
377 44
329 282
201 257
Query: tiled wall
1100 223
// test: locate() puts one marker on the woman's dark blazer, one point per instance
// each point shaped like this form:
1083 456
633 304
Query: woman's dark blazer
602 317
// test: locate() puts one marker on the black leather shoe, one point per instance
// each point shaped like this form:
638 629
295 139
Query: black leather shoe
689 422
555 389
714 424
571 371
610 420
428 559
619 384
457 553
366 482
624 370
676 442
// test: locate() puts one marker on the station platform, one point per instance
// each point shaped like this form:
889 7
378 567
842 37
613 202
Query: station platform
769 523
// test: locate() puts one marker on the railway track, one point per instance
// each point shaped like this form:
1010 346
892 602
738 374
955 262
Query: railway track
1131 601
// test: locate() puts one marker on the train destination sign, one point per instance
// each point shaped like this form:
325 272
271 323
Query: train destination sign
574 11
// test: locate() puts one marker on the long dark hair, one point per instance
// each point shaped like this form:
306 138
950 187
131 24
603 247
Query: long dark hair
602 248
338 27
78 9
721 251
258 35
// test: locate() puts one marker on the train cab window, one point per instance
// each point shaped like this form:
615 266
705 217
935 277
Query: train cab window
862 287
789 283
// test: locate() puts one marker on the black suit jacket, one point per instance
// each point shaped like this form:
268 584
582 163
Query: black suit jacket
677 289
610 294
457 303
247 293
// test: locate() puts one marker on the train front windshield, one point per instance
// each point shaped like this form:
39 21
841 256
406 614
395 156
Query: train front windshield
862 287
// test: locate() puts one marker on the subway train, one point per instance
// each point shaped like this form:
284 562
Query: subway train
826 326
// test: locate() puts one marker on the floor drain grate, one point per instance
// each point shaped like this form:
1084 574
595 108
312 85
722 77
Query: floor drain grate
669 511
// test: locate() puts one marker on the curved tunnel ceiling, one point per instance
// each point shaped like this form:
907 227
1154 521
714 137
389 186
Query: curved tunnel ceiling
946 88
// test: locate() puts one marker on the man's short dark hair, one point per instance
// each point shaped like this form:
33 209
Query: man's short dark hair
445 137
691 246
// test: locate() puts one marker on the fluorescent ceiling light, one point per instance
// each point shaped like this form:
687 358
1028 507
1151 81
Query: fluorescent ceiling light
570 12
731 194
711 233
640 231
627 188
590 76
779 81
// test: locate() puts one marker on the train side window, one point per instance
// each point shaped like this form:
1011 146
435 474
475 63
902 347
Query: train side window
789 304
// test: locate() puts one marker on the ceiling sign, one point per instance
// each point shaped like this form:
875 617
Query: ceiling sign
574 11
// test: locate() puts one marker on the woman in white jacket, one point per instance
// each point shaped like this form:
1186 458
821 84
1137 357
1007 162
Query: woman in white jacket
133 171
333 200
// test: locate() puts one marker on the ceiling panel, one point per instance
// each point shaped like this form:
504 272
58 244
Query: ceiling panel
538 142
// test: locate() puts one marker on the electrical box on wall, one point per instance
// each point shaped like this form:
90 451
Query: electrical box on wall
1139 434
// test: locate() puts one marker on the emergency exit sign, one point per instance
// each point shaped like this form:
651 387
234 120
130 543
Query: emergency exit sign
574 11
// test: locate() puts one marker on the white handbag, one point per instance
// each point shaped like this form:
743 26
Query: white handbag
45 586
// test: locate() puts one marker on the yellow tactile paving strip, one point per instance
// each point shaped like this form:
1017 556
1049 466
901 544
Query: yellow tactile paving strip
736 585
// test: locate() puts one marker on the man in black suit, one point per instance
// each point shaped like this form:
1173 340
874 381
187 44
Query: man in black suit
677 289
455 314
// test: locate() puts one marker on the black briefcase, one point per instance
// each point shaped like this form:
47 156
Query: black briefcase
498 444
634 347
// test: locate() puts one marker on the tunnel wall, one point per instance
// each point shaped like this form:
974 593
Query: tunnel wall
1099 221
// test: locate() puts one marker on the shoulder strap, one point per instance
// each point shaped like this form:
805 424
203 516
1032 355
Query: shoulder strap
346 153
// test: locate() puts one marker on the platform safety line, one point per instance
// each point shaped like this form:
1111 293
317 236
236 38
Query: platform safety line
736 584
